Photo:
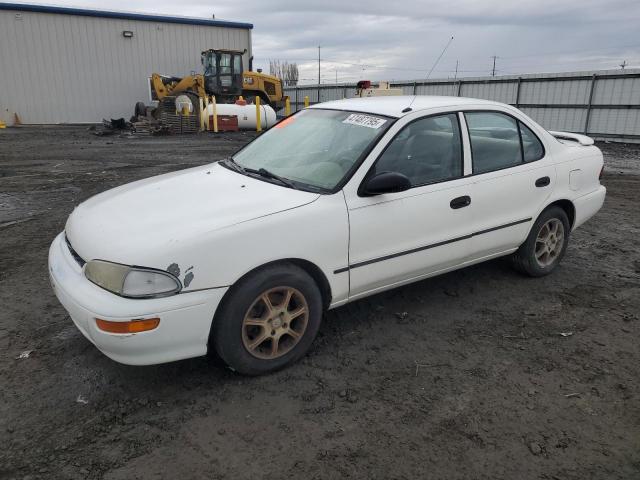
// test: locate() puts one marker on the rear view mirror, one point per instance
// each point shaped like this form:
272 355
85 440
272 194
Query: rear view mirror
386 182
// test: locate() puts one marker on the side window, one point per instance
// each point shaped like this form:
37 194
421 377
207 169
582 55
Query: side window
426 151
532 148
495 141
237 64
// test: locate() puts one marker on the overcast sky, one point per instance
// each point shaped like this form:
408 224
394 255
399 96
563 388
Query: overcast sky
402 39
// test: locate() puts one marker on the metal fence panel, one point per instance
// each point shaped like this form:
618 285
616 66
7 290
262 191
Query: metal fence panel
617 91
604 104
618 122
500 92
563 119
558 92
436 89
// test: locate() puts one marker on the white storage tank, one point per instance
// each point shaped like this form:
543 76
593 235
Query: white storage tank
246 114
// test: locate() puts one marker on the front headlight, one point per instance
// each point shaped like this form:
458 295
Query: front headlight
134 282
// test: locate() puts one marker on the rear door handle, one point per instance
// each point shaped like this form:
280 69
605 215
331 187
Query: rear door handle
460 202
543 182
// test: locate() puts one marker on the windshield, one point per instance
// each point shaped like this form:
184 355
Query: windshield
315 147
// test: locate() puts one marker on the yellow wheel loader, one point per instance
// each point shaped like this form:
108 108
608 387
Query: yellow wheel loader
224 77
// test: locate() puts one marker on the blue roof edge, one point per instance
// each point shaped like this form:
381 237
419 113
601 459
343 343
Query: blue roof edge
24 7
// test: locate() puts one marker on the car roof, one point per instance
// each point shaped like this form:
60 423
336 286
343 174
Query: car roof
393 106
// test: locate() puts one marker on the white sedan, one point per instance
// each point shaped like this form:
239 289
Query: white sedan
335 203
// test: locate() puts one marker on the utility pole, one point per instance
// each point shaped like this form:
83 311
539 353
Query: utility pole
493 71
318 73
623 64
456 75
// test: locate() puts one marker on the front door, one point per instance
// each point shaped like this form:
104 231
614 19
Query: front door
398 237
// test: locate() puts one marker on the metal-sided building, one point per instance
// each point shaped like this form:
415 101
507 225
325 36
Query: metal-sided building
68 65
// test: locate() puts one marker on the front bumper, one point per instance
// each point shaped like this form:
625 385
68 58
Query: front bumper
185 319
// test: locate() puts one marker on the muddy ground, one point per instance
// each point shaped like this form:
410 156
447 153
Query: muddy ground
463 376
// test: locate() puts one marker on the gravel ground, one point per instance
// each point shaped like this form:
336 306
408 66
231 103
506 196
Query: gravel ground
464 376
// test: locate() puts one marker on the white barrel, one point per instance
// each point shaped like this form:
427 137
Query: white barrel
246 114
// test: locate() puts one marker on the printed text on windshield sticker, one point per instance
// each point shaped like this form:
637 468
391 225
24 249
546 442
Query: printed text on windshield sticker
364 120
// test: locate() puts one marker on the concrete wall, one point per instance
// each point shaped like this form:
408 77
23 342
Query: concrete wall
603 104
75 68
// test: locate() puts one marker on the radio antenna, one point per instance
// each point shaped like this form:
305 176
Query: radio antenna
438 60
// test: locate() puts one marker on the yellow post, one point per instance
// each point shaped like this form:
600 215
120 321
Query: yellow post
258 119
203 113
2 124
287 107
215 114
207 127
306 101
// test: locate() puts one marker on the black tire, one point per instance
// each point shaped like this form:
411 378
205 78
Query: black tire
227 333
524 259
140 110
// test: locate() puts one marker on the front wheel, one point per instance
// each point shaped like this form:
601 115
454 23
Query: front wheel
268 320
546 244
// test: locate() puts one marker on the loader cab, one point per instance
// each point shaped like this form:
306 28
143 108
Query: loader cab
222 72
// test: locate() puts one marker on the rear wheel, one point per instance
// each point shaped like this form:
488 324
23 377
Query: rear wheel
268 320
546 244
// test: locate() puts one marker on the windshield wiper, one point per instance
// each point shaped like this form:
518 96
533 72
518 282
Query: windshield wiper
230 162
263 172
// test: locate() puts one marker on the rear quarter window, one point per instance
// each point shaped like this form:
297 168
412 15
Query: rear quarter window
531 144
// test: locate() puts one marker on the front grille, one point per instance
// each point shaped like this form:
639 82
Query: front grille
74 254
270 88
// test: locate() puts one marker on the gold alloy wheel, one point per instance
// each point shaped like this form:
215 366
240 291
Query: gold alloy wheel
275 322
549 242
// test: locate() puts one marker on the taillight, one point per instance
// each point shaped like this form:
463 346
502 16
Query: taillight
601 172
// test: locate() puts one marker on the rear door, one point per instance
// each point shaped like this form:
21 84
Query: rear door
513 177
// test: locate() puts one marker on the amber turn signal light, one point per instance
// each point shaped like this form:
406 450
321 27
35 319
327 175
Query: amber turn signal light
132 326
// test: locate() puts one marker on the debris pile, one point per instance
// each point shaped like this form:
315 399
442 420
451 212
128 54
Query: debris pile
138 125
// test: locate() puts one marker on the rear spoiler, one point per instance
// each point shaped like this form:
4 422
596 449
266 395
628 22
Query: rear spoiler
576 137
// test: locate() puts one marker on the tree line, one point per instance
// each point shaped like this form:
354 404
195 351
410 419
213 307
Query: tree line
287 72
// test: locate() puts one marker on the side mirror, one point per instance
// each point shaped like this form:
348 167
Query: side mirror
386 182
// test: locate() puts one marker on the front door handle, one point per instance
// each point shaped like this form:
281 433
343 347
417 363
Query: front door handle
543 182
460 202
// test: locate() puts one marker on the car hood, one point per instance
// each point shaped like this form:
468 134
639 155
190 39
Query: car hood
143 222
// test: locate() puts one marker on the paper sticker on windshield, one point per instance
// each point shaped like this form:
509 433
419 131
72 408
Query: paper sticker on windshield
364 120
